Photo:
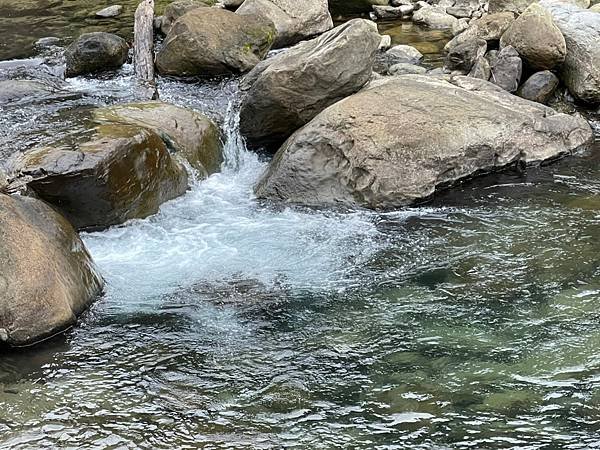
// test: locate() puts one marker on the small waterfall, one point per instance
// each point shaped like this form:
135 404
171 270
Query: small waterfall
235 146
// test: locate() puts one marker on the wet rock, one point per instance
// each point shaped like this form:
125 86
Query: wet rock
288 90
581 29
295 21
213 41
104 175
507 69
595 8
537 39
19 92
188 134
110 11
434 17
47 42
376 149
47 278
175 10
539 87
94 52
463 56
405 69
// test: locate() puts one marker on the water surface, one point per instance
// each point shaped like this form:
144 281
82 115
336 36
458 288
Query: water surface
472 322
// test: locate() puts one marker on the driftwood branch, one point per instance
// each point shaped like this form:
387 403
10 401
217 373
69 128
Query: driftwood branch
143 43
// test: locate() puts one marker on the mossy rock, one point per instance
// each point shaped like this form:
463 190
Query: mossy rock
189 135
105 175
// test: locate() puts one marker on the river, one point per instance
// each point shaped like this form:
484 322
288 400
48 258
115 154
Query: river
471 322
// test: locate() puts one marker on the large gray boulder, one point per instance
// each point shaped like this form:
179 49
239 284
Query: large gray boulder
288 90
214 41
375 149
47 278
295 21
95 52
537 39
581 29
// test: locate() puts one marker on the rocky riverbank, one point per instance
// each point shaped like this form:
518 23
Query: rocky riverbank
350 118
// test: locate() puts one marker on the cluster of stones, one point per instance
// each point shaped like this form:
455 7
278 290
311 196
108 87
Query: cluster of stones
341 134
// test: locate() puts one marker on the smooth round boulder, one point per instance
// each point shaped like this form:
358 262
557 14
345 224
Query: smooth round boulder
214 41
188 134
536 38
104 175
539 87
295 21
47 279
399 140
286 91
95 52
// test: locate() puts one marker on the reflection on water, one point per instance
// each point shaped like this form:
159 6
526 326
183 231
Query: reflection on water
227 323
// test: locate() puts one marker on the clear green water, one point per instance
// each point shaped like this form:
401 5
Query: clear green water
472 322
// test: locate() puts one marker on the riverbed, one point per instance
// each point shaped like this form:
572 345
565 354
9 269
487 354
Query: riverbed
469 322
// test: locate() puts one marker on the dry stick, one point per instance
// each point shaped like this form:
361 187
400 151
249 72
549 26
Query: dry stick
143 43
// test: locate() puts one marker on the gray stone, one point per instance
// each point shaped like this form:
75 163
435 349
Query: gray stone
287 91
515 6
463 56
481 69
507 69
489 28
539 87
404 54
434 17
375 149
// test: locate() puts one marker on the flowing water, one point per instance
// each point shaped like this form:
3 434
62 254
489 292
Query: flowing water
472 322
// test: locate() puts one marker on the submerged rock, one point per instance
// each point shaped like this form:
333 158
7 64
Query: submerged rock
104 176
376 149
94 52
581 29
19 92
188 134
214 41
288 90
47 278
536 38
295 21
